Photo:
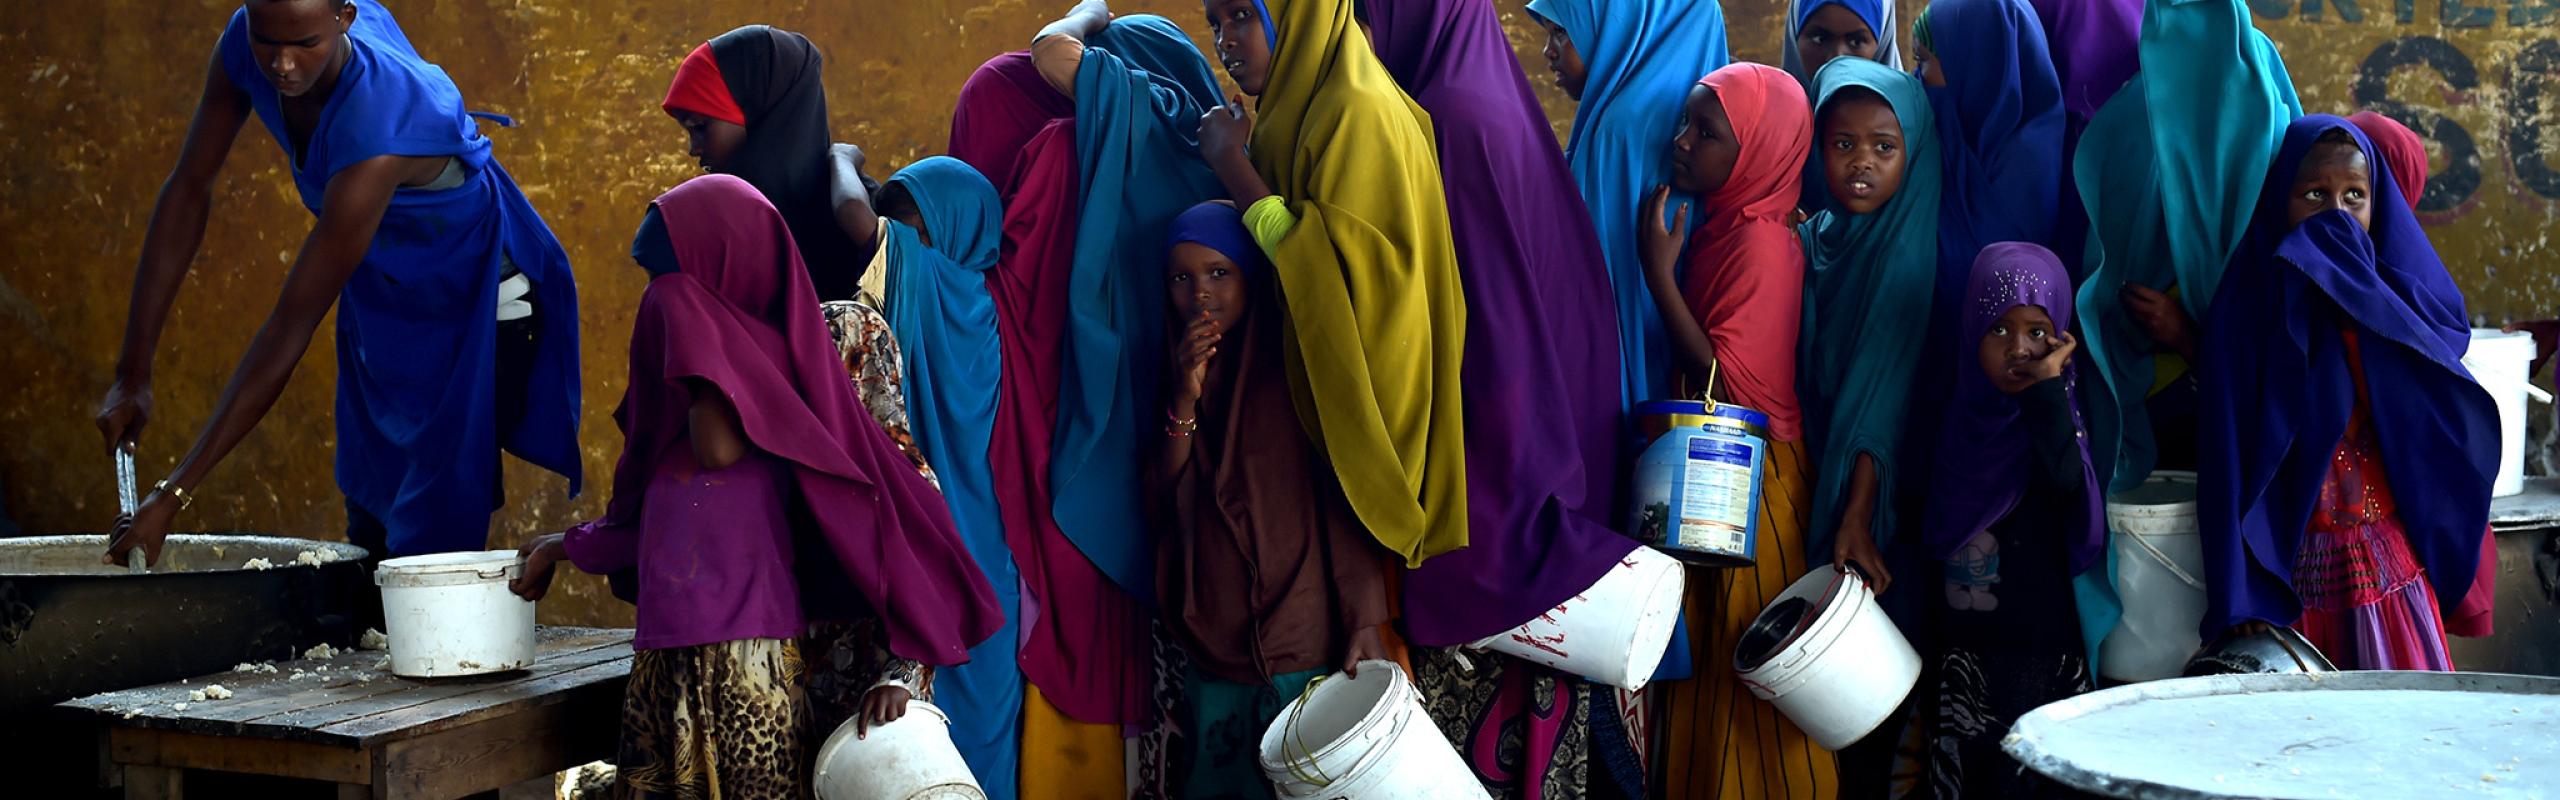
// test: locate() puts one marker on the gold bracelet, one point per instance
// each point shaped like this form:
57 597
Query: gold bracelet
185 498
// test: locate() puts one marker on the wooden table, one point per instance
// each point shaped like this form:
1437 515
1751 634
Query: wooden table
350 722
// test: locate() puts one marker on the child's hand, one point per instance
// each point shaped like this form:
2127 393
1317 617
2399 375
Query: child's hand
1366 645
1225 130
541 556
1853 546
1658 244
1191 356
882 706
2161 318
2050 366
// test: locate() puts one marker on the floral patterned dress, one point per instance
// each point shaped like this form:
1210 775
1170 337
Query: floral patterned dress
849 659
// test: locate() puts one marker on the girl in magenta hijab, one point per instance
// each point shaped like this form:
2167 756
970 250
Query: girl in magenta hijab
754 496
2014 515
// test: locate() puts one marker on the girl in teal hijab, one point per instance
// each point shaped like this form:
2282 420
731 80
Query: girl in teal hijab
2170 170
1870 261
1639 58
942 228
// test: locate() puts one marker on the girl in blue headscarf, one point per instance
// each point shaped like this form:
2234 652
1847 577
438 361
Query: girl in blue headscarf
1821 30
2169 170
1630 64
1999 109
2348 454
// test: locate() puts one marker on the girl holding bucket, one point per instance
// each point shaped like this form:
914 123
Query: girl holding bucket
1870 260
1268 579
2014 515
2348 454
754 495
1744 133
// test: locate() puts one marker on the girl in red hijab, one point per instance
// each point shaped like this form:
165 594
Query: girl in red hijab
1740 148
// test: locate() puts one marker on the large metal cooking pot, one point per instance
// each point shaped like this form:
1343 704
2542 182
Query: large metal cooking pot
70 626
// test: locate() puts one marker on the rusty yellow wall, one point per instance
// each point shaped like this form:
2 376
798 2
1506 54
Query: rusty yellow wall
97 99
98 96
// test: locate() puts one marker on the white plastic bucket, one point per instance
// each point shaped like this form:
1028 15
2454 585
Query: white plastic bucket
2503 363
1614 632
451 614
1363 738
2159 576
1839 669
910 758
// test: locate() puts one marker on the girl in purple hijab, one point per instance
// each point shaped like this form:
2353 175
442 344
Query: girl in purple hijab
2014 514
1537 375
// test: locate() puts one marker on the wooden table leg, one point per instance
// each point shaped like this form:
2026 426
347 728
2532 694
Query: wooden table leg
154 783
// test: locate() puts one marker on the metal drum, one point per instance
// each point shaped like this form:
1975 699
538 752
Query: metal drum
1696 494
2276 650
2302 735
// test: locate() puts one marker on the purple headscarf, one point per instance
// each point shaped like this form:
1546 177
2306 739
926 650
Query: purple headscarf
1541 358
1983 450
2095 48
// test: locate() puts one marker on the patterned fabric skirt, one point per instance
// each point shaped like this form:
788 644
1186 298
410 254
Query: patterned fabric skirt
845 661
1160 771
725 720
2008 641
2366 602
872 359
1523 729
1718 740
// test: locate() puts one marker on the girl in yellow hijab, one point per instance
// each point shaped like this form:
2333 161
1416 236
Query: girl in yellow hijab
1341 187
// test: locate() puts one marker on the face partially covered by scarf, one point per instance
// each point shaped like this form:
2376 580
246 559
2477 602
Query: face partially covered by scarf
2281 390
1879 15
738 314
2169 172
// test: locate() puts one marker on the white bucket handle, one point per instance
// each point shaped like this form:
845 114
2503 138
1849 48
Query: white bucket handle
1806 628
2165 561
2525 381
1293 747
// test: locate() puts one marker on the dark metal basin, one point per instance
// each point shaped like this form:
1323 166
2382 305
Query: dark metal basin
70 626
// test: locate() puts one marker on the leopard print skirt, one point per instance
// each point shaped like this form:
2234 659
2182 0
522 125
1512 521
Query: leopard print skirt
725 720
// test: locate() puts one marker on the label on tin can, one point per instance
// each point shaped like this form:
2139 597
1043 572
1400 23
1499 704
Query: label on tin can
1715 496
